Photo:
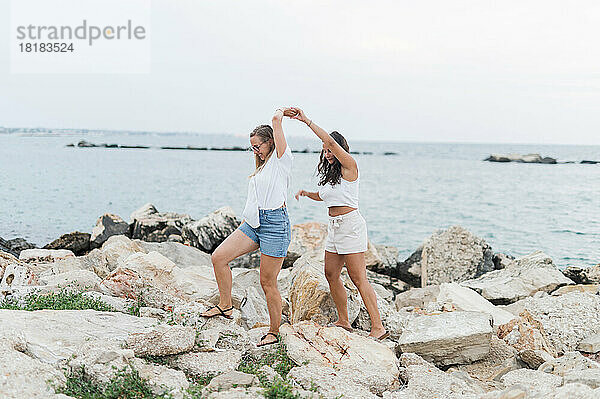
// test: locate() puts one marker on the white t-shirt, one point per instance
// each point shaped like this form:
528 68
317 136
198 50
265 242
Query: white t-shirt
268 188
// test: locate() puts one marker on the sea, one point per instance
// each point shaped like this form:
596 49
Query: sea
407 190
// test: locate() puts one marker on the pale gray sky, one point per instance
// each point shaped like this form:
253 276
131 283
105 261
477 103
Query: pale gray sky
464 71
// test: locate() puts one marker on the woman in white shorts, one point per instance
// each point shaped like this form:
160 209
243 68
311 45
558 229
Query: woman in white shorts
346 241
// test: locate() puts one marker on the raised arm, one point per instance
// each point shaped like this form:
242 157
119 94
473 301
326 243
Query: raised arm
344 157
280 143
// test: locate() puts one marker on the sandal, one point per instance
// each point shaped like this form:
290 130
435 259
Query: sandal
268 343
349 329
383 336
221 312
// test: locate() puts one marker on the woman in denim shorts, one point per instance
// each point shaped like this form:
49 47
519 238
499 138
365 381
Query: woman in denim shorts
266 224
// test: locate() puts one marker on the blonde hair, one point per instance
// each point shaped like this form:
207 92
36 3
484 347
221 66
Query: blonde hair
265 132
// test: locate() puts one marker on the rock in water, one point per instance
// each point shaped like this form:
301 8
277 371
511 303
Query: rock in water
77 242
150 225
590 275
454 255
14 246
519 279
448 338
108 225
208 232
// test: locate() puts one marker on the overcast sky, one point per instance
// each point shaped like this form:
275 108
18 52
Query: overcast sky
458 71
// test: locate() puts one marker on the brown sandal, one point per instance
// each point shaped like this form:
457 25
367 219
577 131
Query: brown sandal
383 336
349 329
221 312
268 343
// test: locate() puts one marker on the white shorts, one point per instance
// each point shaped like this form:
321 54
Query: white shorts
347 234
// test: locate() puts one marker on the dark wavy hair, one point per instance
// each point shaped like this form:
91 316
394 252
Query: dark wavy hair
331 173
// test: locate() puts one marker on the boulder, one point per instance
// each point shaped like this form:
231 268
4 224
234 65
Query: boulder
417 297
182 255
526 334
360 360
591 288
448 338
500 360
7 259
389 260
590 275
208 232
150 225
306 237
203 364
16 275
567 363
15 246
330 382
454 255
591 344
409 270
162 341
309 294
108 225
521 278
501 260
157 281
231 379
44 255
538 383
567 319
589 377
77 242
77 280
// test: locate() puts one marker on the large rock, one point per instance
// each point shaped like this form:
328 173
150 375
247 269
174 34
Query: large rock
330 382
521 278
108 225
361 360
567 363
526 334
182 255
590 275
417 297
15 245
388 257
230 380
454 255
567 319
409 270
309 294
7 259
203 364
16 275
44 255
208 232
162 341
77 280
157 281
77 242
448 338
150 225
539 384
306 237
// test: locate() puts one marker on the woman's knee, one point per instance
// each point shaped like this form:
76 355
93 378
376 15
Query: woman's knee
218 258
332 274
268 283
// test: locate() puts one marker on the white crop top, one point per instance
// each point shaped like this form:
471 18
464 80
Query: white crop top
268 188
343 194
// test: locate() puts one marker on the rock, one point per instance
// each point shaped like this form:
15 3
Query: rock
77 280
424 380
150 225
522 278
330 382
448 338
537 382
567 319
363 361
535 358
397 322
590 345
389 260
108 225
231 379
591 288
590 275
464 298
182 255
373 259
238 393
162 341
44 255
410 269
119 304
500 360
526 333
417 297
7 259
161 379
454 255
527 158
208 232
53 336
16 275
392 284
268 373
158 281
203 364
502 260
76 242
306 237
309 294
14 246
570 361
589 377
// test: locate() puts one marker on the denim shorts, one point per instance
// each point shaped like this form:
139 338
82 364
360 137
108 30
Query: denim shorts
274 233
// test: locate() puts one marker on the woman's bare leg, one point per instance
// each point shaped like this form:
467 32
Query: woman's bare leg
235 245
269 270
357 269
333 269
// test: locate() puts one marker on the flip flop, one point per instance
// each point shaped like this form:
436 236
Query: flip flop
349 329
383 336
221 312
268 343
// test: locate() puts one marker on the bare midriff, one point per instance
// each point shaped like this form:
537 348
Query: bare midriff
340 210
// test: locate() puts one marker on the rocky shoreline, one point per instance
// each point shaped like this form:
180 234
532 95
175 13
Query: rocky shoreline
532 158
465 322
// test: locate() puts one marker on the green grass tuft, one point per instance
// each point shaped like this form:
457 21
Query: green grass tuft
62 300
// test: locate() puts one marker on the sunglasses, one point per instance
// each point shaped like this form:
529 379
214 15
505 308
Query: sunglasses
256 148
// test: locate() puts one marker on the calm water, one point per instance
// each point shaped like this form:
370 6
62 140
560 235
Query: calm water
48 189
